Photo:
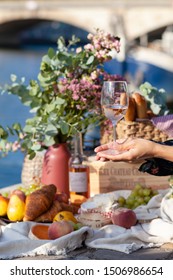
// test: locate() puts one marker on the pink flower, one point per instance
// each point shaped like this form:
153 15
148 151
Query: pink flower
89 47
79 50
75 96
15 146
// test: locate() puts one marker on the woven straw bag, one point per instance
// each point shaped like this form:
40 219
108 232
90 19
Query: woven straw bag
140 129
32 170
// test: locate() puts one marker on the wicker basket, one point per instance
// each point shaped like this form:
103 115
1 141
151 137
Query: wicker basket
32 170
140 129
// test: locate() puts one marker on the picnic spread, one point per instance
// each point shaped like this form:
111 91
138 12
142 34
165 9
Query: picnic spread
154 227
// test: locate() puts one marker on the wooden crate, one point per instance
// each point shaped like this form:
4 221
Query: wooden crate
110 176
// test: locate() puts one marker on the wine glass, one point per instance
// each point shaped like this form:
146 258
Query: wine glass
114 101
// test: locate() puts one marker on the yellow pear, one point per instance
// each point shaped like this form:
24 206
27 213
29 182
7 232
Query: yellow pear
3 205
16 208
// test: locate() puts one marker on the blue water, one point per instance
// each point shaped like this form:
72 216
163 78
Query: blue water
23 63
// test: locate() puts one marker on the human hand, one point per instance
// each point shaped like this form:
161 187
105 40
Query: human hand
130 150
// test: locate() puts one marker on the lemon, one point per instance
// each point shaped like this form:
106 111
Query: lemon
64 215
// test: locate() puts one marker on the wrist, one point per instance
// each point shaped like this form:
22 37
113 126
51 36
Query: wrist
156 150
163 151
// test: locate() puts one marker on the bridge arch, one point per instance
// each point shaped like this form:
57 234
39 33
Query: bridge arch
37 31
81 17
134 20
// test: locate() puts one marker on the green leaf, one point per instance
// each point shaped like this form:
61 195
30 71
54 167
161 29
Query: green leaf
61 43
10 130
90 60
29 129
2 144
51 130
48 141
155 108
13 78
64 127
17 126
50 107
74 40
31 154
59 101
156 98
45 60
36 147
51 53
3 133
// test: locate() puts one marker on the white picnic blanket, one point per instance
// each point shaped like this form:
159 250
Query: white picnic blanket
14 240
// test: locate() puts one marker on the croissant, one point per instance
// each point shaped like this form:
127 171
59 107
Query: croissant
69 207
50 214
39 202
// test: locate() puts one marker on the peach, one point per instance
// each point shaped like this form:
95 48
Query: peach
3 205
124 217
60 228
20 194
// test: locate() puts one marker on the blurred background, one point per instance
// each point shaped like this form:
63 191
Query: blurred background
28 28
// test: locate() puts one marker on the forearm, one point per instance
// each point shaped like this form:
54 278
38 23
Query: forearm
164 152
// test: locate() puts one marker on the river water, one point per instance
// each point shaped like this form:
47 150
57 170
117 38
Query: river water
23 63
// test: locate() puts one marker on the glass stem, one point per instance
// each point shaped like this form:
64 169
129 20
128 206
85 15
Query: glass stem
114 132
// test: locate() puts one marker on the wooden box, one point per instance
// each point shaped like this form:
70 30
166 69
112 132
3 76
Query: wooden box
110 176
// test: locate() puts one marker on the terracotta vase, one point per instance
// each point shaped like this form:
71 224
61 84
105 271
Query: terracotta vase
55 167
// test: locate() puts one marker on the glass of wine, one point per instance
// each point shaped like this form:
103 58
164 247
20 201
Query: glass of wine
114 101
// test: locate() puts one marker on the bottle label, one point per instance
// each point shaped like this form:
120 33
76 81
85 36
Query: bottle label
78 181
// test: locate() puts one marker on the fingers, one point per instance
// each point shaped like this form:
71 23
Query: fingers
101 148
125 156
100 158
119 145
104 147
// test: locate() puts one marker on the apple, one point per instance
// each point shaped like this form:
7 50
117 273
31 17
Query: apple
124 217
60 228
3 205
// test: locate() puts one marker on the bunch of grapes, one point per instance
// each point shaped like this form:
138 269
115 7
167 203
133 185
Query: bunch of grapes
31 188
138 196
27 190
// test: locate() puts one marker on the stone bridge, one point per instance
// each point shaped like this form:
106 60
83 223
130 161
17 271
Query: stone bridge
133 18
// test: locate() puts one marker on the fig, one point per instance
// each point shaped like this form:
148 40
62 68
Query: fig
60 228
124 217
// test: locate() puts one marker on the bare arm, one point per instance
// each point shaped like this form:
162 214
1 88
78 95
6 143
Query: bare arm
133 149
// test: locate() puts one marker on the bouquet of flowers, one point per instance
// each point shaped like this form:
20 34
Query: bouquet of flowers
65 98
